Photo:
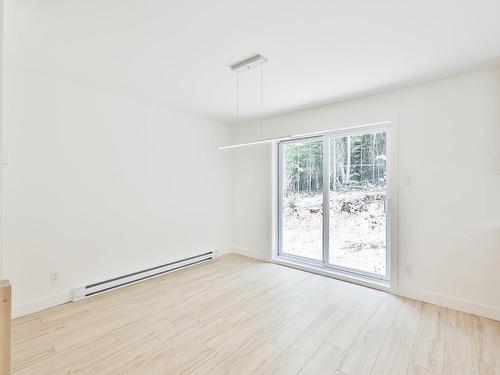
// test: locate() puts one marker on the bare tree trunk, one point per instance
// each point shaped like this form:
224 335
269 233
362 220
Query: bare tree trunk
298 173
334 163
309 172
348 157
361 159
374 159
341 156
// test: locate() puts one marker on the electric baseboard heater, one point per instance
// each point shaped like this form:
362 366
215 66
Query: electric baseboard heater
117 282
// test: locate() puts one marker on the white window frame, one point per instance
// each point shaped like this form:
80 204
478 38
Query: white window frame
323 266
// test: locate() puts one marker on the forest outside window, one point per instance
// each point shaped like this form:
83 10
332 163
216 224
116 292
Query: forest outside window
333 199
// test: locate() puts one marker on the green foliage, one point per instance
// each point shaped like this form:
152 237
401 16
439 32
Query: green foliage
291 201
356 162
303 167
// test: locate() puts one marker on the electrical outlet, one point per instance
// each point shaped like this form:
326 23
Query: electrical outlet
54 277
408 270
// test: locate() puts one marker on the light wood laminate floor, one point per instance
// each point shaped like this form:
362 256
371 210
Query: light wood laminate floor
236 315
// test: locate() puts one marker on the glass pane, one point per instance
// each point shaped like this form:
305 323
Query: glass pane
302 215
357 202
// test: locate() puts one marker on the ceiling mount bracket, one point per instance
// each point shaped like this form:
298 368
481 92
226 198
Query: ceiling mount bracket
248 64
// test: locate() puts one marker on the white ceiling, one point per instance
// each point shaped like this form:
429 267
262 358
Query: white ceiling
177 53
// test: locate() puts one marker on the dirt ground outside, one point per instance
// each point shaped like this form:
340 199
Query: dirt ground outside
357 228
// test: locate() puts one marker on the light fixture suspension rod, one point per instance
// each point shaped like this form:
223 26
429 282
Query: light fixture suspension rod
237 99
261 100
242 67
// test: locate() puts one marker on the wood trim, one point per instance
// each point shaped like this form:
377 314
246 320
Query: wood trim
5 326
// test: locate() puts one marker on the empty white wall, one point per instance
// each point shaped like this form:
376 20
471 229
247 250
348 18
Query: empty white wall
98 185
448 220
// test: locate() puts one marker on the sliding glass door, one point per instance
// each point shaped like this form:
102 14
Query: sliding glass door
358 192
302 198
344 174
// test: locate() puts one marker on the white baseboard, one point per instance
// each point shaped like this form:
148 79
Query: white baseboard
41 304
471 307
222 252
250 254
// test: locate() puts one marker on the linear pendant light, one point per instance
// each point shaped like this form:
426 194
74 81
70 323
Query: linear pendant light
242 67
251 143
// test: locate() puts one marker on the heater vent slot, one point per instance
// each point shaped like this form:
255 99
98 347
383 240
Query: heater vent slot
118 282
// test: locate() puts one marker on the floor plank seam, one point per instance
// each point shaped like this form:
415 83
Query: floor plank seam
385 338
363 326
476 349
444 341
410 362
